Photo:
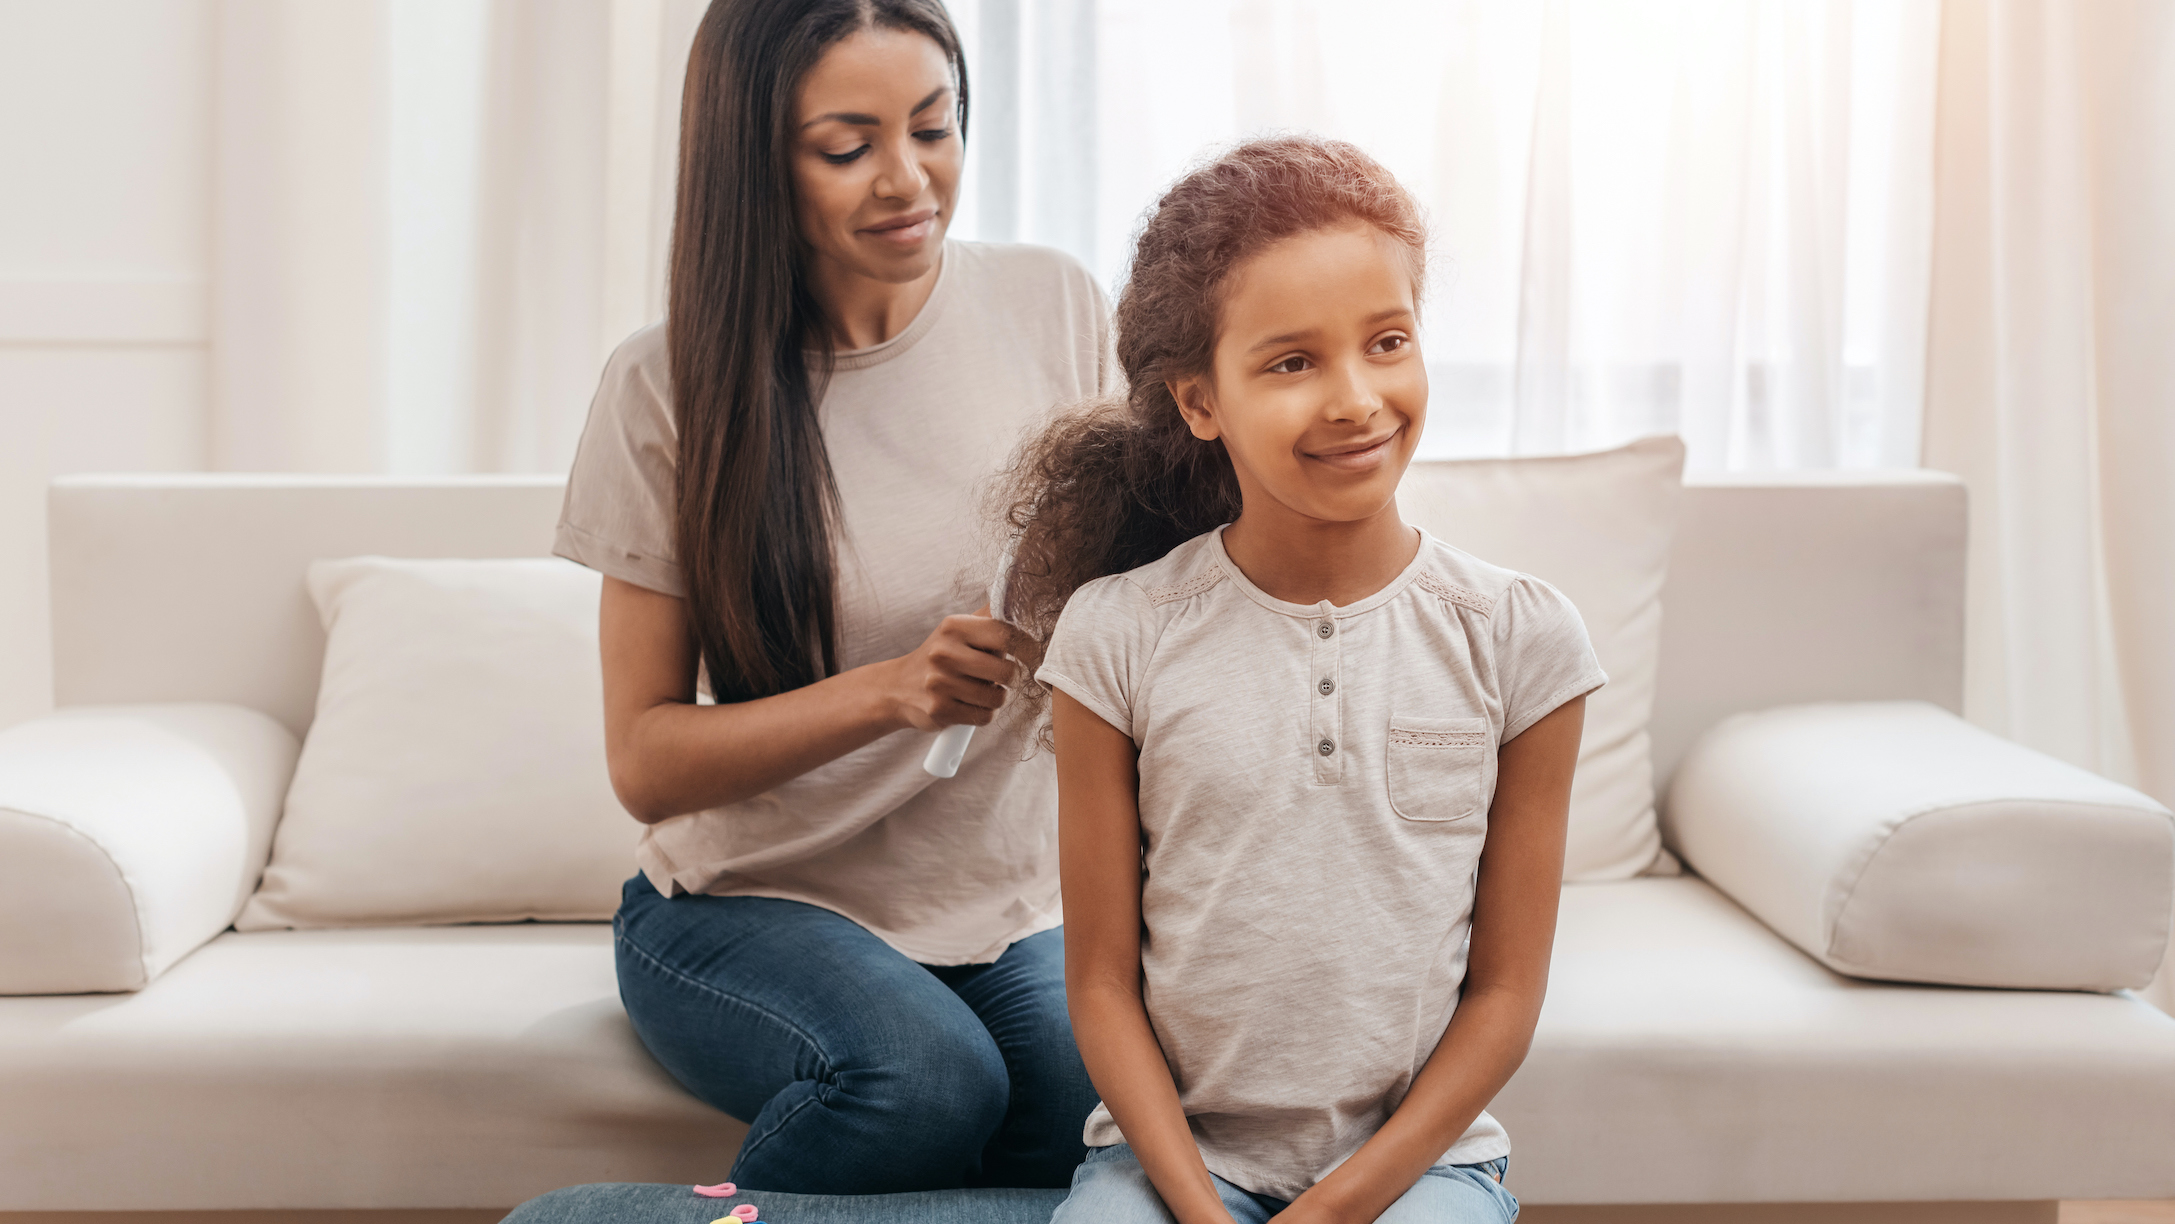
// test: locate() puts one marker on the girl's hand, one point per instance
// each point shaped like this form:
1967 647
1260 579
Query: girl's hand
1302 1211
958 675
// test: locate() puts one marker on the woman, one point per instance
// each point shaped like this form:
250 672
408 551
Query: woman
779 484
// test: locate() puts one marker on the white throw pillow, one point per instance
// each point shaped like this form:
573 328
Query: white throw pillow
1894 840
455 770
1598 528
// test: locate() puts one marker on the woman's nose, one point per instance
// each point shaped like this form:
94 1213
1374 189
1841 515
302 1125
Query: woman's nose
899 175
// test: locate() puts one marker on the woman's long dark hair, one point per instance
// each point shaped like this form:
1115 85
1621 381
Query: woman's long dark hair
1115 485
750 351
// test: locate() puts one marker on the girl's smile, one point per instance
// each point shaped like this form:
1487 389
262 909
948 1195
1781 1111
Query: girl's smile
1362 456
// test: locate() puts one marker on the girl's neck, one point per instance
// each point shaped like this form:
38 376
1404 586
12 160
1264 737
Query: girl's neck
1305 560
863 312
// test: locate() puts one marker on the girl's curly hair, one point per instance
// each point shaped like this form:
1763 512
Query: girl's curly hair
1117 483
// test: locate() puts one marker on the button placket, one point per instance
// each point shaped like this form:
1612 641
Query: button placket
1326 724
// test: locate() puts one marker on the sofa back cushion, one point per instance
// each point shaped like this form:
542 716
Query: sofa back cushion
455 768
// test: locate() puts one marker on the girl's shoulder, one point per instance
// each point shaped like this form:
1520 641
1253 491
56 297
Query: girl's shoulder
1518 606
1461 579
1189 570
1152 591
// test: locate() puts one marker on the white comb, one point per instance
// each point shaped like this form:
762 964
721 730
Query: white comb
950 746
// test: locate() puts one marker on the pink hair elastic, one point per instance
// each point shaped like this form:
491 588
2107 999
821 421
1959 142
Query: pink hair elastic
720 1190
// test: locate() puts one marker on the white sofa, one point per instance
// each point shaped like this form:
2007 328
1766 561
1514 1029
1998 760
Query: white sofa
1688 1054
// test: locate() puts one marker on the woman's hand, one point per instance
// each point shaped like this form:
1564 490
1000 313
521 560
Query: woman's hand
960 674
669 755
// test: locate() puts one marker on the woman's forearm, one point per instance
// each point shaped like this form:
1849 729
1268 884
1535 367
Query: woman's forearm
1129 1070
676 756
669 755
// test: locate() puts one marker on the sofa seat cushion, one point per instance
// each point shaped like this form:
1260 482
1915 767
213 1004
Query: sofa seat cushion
419 1067
1687 1054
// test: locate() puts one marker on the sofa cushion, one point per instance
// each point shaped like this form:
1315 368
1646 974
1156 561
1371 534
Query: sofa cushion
129 835
1685 1055
455 770
1598 527
401 1067
1892 839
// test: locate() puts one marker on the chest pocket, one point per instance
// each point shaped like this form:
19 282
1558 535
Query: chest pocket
1440 768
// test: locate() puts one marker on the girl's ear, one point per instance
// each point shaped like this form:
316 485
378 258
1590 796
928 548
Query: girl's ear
1196 405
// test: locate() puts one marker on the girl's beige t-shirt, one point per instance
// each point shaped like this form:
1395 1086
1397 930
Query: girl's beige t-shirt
947 871
1314 793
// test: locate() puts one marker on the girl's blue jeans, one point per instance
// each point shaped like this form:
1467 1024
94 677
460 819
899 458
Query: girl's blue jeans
1112 1188
857 1070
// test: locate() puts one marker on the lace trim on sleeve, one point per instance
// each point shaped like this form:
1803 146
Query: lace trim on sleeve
1443 588
1158 596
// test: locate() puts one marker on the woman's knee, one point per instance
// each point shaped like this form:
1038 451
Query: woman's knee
886 1114
926 1064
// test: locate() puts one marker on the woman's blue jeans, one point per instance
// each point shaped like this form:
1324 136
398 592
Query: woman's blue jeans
857 1070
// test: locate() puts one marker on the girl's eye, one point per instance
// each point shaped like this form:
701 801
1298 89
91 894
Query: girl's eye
1390 344
1293 364
932 135
840 159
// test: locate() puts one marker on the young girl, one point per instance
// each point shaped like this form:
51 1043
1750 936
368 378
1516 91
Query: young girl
1314 765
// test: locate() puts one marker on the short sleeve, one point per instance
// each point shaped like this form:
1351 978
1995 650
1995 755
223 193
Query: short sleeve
618 514
1100 648
1542 654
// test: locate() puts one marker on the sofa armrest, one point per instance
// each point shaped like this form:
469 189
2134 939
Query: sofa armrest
129 835
1894 840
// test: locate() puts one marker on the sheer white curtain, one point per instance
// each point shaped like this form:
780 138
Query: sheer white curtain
1707 216
2051 385
436 217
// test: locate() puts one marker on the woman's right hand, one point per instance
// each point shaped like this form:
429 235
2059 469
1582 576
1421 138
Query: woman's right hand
670 755
959 674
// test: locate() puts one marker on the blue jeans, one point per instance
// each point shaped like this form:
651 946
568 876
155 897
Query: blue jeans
1112 1188
857 1070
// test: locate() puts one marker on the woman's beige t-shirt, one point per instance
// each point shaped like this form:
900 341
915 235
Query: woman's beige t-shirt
948 871
1314 793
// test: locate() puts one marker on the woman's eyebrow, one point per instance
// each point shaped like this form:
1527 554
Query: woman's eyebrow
860 119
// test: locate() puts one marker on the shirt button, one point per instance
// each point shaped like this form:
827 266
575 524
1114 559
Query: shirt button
1327 686
1325 747
1324 629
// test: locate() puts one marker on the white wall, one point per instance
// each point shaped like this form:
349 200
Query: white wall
105 237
